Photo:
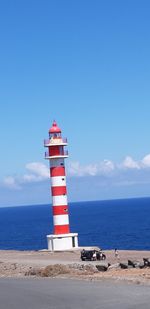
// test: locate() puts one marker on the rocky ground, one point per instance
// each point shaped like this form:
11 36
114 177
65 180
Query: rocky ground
69 265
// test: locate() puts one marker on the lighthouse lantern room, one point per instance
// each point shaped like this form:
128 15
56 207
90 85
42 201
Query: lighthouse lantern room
61 239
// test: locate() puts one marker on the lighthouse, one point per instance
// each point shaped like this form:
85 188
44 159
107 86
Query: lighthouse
62 238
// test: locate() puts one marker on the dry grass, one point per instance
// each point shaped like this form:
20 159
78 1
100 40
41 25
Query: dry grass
60 269
54 270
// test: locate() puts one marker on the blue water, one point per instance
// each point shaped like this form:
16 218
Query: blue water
124 224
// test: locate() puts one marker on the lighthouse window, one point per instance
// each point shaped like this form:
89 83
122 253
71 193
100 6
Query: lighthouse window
61 163
63 178
61 150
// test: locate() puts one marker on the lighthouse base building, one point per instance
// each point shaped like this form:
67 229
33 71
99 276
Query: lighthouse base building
62 238
62 242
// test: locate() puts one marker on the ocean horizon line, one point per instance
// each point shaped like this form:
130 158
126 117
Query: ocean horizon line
82 201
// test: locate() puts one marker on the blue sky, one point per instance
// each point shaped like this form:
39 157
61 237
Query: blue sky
85 64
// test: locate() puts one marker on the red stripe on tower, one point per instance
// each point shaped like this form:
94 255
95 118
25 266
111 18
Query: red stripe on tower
60 210
61 229
57 171
58 190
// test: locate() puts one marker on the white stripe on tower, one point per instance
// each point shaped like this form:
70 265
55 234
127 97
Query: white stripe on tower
61 220
58 181
59 200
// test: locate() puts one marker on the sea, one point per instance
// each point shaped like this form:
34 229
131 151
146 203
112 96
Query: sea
121 224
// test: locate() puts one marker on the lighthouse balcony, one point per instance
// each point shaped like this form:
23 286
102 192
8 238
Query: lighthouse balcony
57 156
55 141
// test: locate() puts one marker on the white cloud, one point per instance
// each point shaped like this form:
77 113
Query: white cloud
104 167
37 171
75 169
146 161
11 183
129 163
107 167
30 178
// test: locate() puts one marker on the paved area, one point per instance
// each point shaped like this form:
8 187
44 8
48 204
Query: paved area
71 294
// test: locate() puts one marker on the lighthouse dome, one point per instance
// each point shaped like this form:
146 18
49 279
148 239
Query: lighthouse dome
54 128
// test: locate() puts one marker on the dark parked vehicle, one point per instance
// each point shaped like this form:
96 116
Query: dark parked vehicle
87 255
92 255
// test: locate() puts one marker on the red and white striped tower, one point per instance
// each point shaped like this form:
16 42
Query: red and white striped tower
62 239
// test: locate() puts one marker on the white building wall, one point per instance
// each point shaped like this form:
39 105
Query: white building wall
62 242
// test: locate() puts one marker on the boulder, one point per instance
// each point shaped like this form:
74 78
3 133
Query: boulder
114 266
141 265
124 265
102 266
146 262
134 263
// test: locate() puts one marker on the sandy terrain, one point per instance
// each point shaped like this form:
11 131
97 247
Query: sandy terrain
69 264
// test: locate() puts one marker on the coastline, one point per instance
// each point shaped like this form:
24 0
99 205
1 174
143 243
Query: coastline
20 264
